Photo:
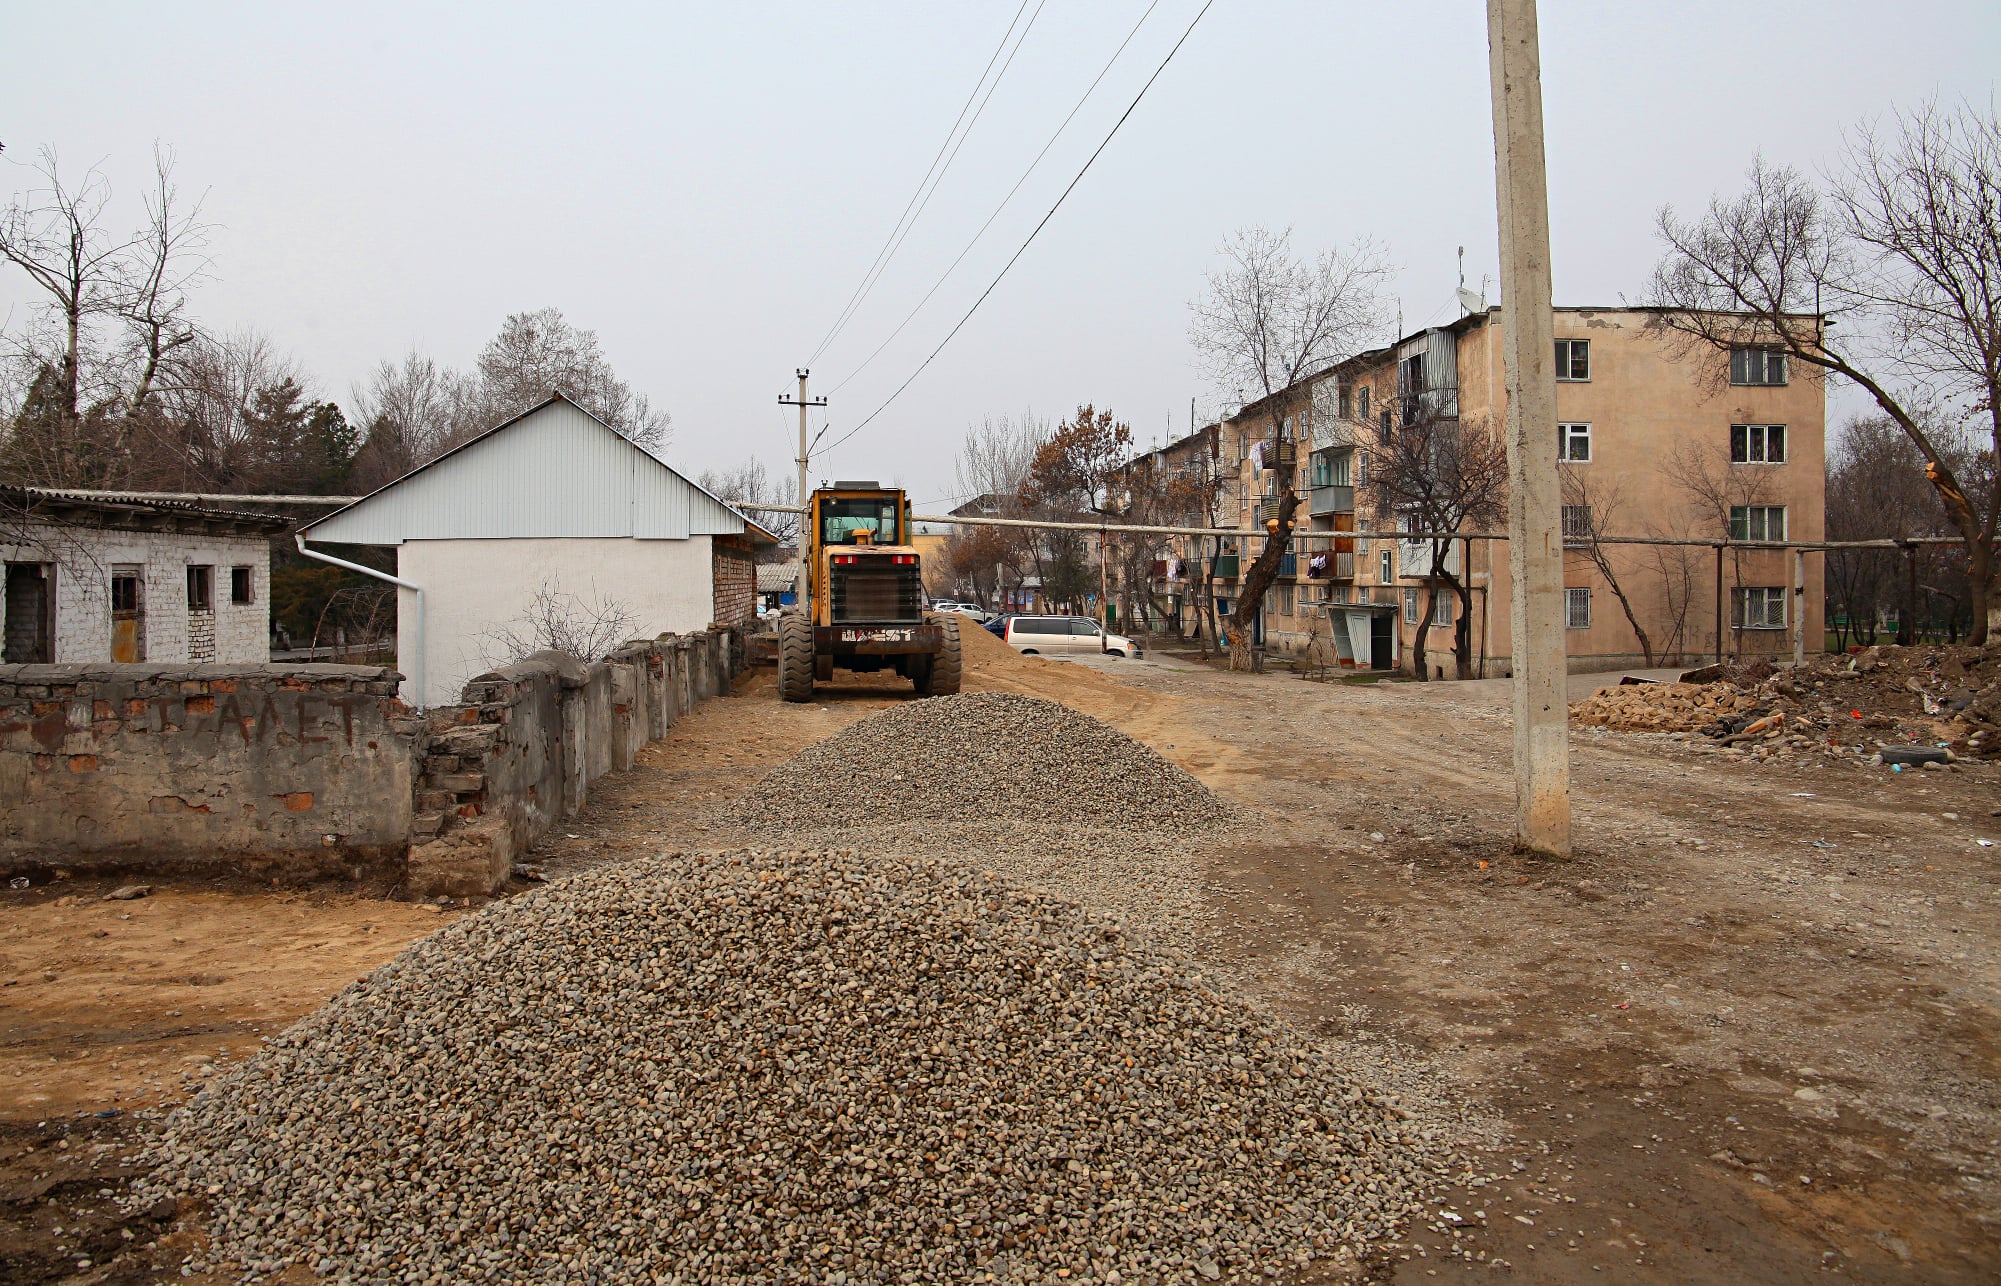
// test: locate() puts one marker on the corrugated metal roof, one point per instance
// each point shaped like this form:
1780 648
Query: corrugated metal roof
553 471
775 577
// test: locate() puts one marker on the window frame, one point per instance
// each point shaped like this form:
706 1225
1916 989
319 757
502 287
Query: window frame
1768 597
201 575
248 576
1753 524
1568 351
1410 609
1743 435
1386 566
1740 367
1575 534
1568 433
1572 596
1441 610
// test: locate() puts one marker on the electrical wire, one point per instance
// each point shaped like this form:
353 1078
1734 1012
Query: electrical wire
881 259
953 266
1127 115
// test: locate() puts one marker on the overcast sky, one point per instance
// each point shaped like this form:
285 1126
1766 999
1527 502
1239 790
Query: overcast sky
706 186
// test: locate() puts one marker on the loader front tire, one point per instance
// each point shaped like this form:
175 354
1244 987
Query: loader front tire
941 677
795 656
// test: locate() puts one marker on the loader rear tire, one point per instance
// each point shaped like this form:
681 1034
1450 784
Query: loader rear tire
795 656
941 677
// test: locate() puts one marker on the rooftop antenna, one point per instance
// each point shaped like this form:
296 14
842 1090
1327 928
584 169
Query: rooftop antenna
1468 301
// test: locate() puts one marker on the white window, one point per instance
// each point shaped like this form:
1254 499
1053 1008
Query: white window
1410 607
1441 609
1285 600
1573 443
1340 594
1386 567
1577 524
1573 359
1757 444
1757 366
1758 608
1757 522
1361 468
1577 608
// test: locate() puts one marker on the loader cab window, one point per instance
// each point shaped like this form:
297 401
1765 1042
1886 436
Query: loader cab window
841 519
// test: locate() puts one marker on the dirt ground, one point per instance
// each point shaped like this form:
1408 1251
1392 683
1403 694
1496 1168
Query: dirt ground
1747 1034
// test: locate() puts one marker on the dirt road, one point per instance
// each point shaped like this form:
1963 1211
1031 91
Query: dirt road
1748 1034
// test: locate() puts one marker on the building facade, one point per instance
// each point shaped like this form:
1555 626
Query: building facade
124 581
548 524
1655 440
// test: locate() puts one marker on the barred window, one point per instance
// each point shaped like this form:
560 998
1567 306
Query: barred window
1577 524
1758 607
1577 608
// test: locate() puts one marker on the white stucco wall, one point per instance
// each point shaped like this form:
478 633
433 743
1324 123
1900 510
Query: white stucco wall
475 589
84 559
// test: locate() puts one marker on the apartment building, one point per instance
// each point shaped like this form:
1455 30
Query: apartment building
1654 440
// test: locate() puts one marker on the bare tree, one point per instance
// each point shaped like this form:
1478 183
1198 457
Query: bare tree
1266 321
1903 249
1716 492
540 352
750 484
1591 507
87 387
1439 474
586 626
992 473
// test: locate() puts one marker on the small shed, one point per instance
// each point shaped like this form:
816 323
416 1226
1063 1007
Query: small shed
95 577
551 524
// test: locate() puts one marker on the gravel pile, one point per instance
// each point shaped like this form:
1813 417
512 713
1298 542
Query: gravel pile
1044 795
790 1067
975 757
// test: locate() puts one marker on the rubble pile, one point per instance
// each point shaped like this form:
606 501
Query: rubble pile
1833 705
789 1067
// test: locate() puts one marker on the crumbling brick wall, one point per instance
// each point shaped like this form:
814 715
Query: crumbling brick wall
294 772
304 770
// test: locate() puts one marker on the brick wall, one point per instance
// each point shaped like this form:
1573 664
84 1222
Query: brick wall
296 772
303 770
735 576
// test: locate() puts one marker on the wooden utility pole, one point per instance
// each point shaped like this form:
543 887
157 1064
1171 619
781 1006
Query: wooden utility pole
1535 496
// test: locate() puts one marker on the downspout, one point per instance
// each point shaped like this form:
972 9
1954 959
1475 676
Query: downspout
417 641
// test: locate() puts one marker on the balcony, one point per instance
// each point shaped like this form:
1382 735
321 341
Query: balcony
1333 500
1288 565
1331 566
1223 567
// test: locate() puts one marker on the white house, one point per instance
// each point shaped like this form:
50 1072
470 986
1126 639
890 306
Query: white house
552 511
91 580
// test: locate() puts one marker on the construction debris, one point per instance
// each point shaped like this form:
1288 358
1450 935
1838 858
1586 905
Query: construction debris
757 1066
1940 697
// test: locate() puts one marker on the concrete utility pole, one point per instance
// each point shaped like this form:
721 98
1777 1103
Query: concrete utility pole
802 402
1535 496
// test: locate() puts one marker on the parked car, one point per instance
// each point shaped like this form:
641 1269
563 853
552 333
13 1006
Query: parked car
973 610
1064 636
998 625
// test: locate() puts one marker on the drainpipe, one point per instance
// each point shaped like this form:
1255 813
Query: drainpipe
416 680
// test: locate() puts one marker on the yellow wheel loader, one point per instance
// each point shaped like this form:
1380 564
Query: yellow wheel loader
862 607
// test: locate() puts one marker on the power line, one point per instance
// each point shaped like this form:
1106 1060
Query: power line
1034 233
881 259
953 266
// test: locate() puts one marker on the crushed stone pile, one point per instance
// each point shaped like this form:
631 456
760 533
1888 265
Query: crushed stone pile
769 1067
978 756
1037 791
1832 706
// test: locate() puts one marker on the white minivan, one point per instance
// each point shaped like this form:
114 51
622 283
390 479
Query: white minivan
1065 636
